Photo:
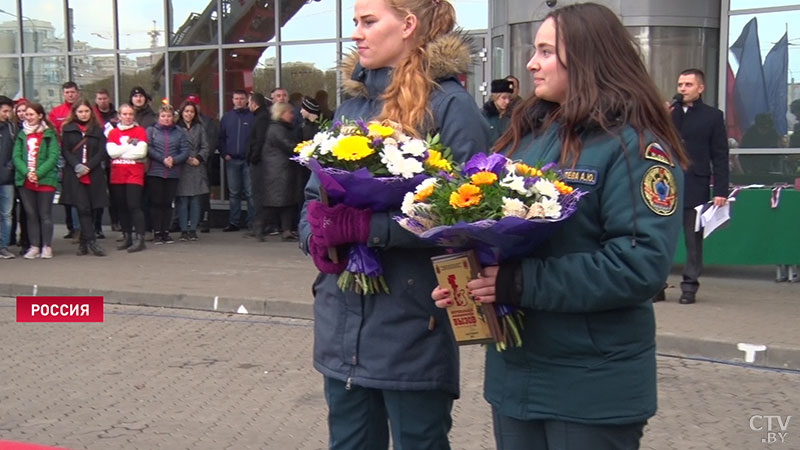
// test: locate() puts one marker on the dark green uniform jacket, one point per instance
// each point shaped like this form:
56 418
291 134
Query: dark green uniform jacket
588 352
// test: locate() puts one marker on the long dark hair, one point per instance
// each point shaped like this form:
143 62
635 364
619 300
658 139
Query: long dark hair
72 117
195 119
608 85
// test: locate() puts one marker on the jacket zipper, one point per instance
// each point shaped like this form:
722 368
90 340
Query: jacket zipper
166 152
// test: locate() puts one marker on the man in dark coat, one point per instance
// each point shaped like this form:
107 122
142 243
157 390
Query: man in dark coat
702 131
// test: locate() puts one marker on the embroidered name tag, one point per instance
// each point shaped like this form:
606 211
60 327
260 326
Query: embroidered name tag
581 176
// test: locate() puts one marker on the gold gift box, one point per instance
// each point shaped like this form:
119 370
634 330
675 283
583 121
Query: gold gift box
471 322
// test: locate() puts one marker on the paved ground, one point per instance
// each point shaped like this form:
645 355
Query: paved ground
155 378
227 272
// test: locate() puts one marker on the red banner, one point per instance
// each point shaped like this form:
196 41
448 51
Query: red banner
59 309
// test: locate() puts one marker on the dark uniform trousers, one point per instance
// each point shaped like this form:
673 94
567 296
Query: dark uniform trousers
357 418
694 254
515 434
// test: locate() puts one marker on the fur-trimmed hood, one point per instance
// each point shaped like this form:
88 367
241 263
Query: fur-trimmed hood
449 56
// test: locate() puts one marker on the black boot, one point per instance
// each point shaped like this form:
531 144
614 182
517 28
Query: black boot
127 241
95 248
82 249
138 244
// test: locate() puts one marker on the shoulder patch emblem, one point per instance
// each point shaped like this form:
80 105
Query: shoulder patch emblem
659 191
654 152
581 176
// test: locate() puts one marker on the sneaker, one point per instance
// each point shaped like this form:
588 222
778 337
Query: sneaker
70 234
47 252
230 227
99 235
32 253
184 236
193 235
157 239
5 254
166 238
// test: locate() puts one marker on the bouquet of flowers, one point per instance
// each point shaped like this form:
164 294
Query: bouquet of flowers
500 208
369 166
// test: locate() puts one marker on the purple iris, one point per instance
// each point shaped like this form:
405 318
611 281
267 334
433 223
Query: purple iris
481 162
362 126
445 175
530 181
548 166
376 142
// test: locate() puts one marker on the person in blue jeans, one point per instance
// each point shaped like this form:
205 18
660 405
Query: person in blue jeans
7 133
234 140
193 181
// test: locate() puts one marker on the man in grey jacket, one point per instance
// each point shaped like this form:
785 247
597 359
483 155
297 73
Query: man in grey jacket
7 133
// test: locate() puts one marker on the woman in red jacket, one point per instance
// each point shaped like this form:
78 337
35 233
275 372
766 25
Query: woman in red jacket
127 147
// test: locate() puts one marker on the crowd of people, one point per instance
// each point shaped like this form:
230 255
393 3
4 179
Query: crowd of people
138 163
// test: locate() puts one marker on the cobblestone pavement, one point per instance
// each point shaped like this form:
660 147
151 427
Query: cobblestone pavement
151 378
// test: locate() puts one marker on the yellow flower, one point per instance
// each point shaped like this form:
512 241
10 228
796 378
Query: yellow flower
378 130
436 161
465 196
483 177
562 187
300 146
424 193
526 170
352 148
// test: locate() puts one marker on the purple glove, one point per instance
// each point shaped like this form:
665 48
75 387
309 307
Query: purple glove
319 253
337 225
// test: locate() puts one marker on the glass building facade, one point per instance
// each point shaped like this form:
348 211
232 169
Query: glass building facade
174 48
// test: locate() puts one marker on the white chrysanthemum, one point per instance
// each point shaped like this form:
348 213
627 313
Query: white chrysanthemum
513 207
321 137
546 188
535 211
398 165
407 207
390 141
415 148
552 208
326 146
407 168
401 137
307 151
515 183
426 183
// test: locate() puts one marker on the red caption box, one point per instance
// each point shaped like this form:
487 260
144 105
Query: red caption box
59 309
